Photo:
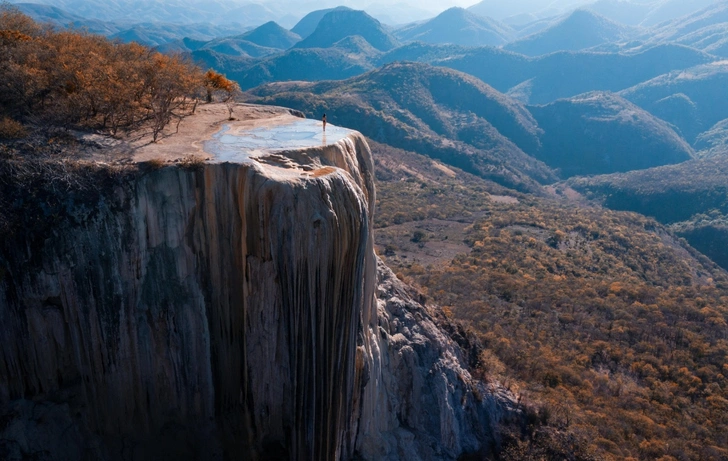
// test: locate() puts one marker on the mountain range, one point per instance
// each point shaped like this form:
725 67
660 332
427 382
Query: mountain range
537 80
436 111
147 33
463 122
691 99
691 198
562 74
580 30
533 80
265 40
523 11
179 11
598 132
644 13
459 27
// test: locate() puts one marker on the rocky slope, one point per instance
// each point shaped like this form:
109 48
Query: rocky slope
226 302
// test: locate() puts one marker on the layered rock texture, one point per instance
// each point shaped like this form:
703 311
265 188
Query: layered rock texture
229 306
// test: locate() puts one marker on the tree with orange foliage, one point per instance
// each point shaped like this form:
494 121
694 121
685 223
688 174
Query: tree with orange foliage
76 79
218 84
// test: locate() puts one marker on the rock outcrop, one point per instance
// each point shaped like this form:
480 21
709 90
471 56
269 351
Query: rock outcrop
229 310
420 402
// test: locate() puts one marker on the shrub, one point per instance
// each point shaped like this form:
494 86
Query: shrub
418 236
605 318
76 79
192 162
10 129
154 164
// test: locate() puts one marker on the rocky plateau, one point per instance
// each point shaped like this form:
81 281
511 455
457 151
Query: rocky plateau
226 303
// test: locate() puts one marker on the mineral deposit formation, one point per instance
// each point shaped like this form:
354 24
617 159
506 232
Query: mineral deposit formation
226 303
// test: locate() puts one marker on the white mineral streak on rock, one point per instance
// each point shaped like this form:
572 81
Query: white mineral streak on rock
237 308
420 403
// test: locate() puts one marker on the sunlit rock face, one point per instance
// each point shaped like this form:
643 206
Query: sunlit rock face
419 401
233 310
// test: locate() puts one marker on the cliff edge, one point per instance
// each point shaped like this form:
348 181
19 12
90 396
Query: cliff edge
226 303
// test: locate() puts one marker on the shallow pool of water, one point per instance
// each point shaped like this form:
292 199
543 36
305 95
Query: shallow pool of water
236 146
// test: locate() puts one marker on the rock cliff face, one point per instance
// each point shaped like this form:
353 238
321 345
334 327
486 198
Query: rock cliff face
229 311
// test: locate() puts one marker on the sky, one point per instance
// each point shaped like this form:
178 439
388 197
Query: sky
440 5
435 4
360 4
401 11
289 12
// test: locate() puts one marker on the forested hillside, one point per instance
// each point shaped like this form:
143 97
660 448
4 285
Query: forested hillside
443 113
616 326
692 198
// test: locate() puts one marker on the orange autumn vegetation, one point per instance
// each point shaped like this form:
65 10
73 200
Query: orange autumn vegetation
75 79
597 315
615 326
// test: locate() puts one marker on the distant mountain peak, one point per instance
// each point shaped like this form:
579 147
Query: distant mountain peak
270 26
581 29
272 35
308 23
461 14
459 27
341 23
583 15
456 11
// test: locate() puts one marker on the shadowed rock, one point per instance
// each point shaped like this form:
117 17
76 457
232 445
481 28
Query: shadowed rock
229 309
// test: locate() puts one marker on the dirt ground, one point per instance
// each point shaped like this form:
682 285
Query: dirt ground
426 242
185 140
196 129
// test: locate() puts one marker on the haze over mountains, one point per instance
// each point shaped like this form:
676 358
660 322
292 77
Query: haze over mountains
580 30
554 173
666 59
245 12
630 12
609 86
459 27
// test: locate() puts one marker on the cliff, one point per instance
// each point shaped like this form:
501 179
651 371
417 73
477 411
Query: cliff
227 304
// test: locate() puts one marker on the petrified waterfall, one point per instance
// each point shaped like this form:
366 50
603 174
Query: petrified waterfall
228 311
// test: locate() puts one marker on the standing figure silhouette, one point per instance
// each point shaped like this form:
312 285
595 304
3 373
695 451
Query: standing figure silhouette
324 120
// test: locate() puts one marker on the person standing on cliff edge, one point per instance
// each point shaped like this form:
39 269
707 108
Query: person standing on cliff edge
323 119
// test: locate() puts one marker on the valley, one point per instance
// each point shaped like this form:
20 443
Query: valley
578 307
511 242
